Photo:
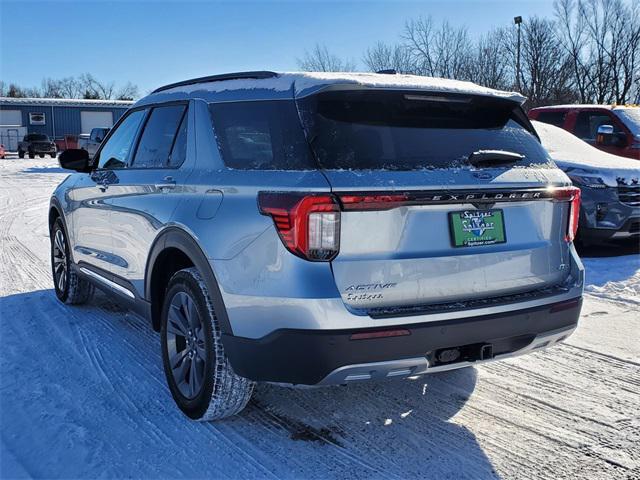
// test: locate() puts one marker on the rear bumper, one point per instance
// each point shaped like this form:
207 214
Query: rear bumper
323 357
46 150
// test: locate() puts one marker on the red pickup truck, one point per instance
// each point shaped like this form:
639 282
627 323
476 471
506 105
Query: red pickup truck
614 129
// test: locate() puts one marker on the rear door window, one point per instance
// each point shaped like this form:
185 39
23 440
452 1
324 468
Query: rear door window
554 117
260 135
158 137
179 150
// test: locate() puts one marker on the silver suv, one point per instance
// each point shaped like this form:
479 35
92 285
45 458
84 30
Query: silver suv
320 229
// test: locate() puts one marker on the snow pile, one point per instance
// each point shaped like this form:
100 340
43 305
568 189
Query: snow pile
616 279
571 153
306 82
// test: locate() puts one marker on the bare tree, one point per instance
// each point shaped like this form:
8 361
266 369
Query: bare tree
128 92
489 62
95 89
388 57
623 50
51 88
571 30
437 51
545 64
70 87
321 60
602 38
85 86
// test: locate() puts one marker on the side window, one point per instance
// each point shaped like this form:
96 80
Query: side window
115 152
260 135
587 124
554 117
179 151
158 137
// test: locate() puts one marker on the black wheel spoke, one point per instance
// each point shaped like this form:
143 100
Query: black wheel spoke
186 344
59 256
178 325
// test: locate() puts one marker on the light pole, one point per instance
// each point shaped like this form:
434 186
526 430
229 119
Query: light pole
518 21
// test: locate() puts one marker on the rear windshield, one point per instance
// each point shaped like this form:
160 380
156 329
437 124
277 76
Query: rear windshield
261 135
409 131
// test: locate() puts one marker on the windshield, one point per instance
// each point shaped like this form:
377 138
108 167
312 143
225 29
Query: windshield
631 118
397 130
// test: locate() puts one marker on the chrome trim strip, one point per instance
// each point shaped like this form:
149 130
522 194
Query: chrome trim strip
108 282
410 367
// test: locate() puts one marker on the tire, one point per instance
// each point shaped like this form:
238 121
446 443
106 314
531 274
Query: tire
20 154
32 155
70 288
53 155
215 391
41 155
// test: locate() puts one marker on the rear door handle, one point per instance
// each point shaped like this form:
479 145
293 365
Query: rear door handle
168 183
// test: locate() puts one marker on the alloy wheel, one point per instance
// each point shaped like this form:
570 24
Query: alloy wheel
186 345
59 261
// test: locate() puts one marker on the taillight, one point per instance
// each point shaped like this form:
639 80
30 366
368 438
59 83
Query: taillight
373 201
572 195
309 225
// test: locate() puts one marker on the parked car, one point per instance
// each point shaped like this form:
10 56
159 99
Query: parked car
3 153
320 229
91 142
611 128
36 144
66 142
610 185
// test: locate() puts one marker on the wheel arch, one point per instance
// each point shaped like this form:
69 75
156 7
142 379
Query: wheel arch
173 250
55 212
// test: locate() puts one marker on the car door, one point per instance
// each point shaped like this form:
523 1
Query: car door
90 216
587 124
147 191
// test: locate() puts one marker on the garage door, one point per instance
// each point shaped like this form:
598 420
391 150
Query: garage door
10 117
89 120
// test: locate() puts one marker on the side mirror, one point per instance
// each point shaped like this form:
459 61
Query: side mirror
75 159
607 137
605 130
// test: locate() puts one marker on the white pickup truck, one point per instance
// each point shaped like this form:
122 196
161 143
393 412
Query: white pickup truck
91 142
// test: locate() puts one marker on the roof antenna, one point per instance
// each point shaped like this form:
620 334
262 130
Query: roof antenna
388 71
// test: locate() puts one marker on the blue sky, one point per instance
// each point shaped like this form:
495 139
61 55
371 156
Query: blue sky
152 43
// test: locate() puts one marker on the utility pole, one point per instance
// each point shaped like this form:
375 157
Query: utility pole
518 21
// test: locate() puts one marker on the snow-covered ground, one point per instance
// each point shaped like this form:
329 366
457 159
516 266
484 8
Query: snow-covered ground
82 393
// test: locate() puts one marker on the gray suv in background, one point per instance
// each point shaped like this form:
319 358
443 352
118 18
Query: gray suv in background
321 229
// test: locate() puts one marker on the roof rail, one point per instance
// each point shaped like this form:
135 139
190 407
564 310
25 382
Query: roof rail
218 78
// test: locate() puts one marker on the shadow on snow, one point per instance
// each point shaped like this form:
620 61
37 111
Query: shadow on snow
83 394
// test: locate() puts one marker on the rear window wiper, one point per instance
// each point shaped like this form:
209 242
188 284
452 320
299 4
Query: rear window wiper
484 158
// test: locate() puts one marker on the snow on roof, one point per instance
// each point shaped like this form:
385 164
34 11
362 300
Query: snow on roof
306 83
569 152
588 105
65 102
